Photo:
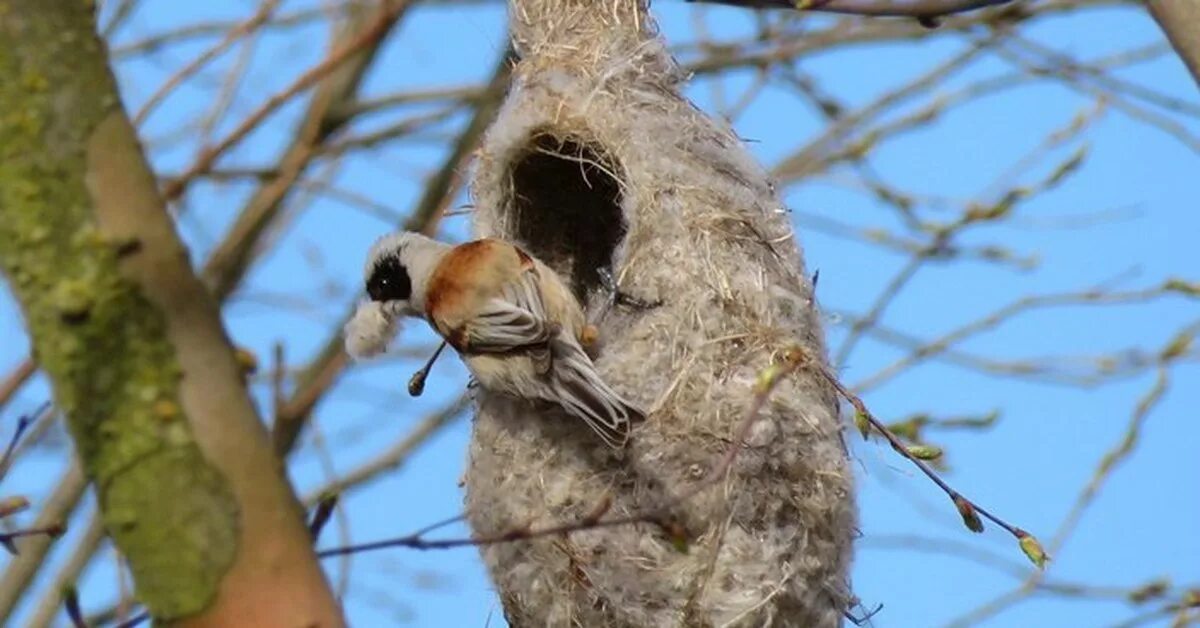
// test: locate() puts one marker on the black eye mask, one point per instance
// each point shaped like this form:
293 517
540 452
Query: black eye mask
389 281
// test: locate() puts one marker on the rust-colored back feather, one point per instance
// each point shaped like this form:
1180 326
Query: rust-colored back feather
468 277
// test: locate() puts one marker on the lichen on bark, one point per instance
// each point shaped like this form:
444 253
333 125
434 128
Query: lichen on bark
103 344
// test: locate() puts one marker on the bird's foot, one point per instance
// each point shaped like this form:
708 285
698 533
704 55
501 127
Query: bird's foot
615 296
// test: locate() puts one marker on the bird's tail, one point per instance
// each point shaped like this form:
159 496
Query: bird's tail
582 393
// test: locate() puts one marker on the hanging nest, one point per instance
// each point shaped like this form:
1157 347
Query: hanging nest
596 163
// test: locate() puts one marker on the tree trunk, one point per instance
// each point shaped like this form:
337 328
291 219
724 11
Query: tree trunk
133 345
1180 20
596 162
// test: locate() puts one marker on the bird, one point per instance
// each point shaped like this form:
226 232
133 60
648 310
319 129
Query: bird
511 318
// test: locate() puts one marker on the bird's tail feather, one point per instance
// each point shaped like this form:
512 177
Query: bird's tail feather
584 394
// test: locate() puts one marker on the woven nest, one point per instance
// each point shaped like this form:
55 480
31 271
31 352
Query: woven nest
597 163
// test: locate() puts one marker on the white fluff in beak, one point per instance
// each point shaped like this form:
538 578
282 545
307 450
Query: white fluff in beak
369 331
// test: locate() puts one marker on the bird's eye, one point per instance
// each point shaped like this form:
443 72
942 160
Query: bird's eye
389 281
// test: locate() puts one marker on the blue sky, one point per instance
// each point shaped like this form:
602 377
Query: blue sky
1029 467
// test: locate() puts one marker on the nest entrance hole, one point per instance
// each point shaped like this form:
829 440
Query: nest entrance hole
566 196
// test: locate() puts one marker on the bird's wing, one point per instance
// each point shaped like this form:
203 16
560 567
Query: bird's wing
582 392
514 320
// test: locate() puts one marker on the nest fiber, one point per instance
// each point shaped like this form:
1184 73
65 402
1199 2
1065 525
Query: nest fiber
596 163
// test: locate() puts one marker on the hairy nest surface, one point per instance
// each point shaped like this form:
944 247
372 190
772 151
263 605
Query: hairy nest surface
596 162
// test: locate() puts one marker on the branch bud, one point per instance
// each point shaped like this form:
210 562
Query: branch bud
925 452
863 423
967 511
1032 548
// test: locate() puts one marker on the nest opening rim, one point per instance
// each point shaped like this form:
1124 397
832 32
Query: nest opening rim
567 197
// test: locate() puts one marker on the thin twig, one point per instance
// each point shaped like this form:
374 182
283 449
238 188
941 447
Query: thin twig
945 343
439 191
22 569
174 189
921 9
81 555
23 423
53 531
662 516
395 456
232 36
15 379
1124 448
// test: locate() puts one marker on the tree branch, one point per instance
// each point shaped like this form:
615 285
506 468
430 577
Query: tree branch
19 574
320 375
923 9
134 348
1179 19
340 75
208 158
15 380
81 556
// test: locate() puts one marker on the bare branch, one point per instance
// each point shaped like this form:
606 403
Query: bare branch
1178 19
369 36
661 516
23 423
19 573
790 360
15 379
395 456
1170 353
331 360
231 37
340 74
69 574
922 9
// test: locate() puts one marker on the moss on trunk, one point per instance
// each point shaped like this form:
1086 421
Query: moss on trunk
103 344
